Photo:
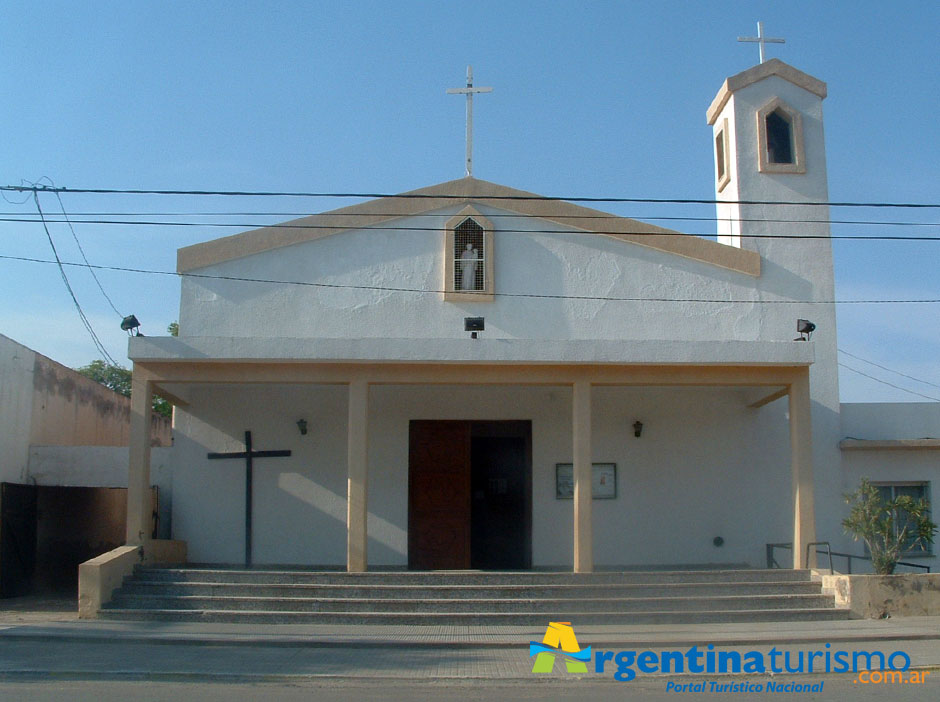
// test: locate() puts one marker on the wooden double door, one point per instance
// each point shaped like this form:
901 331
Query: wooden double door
470 495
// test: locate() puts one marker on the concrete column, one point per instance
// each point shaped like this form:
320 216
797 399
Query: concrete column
801 463
139 496
581 439
357 509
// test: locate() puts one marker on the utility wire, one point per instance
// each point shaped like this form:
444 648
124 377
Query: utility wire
501 215
25 199
885 382
426 196
81 313
381 227
379 288
85 258
890 370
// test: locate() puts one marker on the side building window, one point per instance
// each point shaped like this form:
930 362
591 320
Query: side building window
917 491
780 139
722 157
468 257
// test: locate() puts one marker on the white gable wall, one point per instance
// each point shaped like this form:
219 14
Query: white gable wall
529 262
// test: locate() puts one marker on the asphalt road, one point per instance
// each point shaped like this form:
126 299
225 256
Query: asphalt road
835 687
115 659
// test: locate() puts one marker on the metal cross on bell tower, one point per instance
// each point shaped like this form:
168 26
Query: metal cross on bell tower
469 91
761 40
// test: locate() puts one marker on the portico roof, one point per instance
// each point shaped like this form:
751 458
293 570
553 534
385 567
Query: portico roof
469 351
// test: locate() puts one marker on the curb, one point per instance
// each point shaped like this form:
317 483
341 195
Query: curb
353 643
241 678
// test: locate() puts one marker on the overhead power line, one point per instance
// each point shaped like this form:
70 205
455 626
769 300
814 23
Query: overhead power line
445 196
890 370
502 215
84 257
379 288
393 228
81 313
885 382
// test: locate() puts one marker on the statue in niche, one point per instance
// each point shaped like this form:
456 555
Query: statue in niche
468 268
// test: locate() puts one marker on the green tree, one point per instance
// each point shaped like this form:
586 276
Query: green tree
888 527
173 329
118 378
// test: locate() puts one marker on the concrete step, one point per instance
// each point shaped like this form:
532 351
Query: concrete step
472 619
169 588
233 575
554 607
469 597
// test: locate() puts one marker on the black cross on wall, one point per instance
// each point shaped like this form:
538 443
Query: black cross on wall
248 454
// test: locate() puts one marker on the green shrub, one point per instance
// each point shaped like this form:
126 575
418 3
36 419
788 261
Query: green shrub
888 527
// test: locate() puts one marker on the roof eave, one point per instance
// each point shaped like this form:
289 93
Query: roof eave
458 192
773 67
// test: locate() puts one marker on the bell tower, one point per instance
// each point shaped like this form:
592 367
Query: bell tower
772 197
767 130
772 191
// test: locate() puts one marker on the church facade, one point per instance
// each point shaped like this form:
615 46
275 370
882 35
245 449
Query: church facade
471 376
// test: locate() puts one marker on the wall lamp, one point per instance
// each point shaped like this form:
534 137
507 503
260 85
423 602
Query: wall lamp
637 428
805 329
474 325
302 425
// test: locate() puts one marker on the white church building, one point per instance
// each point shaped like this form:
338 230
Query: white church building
472 376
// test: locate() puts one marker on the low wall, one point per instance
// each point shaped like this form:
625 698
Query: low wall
880 596
72 410
101 576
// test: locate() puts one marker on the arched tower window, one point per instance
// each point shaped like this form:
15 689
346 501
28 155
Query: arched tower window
468 257
780 138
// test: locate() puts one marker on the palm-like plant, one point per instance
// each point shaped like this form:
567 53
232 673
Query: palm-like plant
887 526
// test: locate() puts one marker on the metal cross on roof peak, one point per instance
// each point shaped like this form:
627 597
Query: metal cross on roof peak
761 40
469 91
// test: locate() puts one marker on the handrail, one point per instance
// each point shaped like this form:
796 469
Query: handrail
772 561
828 552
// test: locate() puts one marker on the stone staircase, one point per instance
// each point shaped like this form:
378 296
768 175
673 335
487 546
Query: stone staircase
529 598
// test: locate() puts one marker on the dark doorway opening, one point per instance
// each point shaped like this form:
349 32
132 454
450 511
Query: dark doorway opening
46 531
18 511
470 495
500 482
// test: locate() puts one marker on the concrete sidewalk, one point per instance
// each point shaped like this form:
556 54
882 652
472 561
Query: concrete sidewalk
607 636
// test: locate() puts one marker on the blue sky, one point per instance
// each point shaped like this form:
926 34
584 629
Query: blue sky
590 99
